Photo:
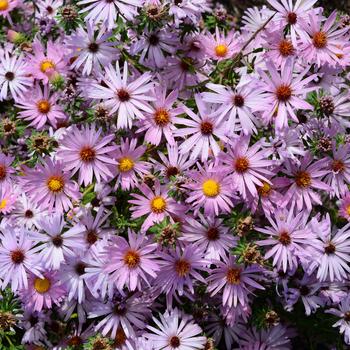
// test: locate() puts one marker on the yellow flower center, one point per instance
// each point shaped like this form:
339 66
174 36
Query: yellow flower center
55 184
211 188
221 50
161 117
4 5
126 164
46 65
44 106
158 205
233 276
3 204
265 189
182 267
131 259
348 209
42 285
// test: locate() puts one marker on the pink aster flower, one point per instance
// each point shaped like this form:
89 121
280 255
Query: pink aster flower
43 292
50 186
175 331
7 199
210 189
17 258
131 261
179 270
56 241
236 280
129 100
237 106
40 107
221 46
210 235
157 204
107 11
43 65
91 51
6 171
304 181
14 80
159 123
200 131
338 177
284 93
289 237
250 166
130 165
324 41
88 152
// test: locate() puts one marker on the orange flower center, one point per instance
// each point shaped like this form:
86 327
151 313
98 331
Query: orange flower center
233 276
42 285
241 164
338 166
87 154
182 267
161 117
286 48
131 259
221 50
44 106
303 179
284 92
320 40
4 5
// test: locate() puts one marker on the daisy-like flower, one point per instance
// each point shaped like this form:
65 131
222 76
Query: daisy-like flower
129 100
6 171
56 241
293 16
43 65
157 204
339 170
6 6
160 121
48 8
127 313
88 152
304 181
91 51
324 41
174 164
17 258
7 199
344 210
284 93
179 270
129 165
343 312
220 46
14 80
249 165
210 235
107 11
200 131
131 261
236 281
152 46
43 292
237 106
175 331
187 9
210 189
50 186
289 237
40 107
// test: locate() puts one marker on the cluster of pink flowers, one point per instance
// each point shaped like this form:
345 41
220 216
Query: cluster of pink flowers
171 180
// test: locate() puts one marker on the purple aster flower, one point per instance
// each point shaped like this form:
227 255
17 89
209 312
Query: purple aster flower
160 121
156 204
200 131
304 179
210 235
17 258
88 152
179 271
235 280
130 165
6 170
289 237
188 10
250 165
131 261
210 189
129 100
49 186
55 241
43 292
40 107
284 93
175 331
344 205
7 199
